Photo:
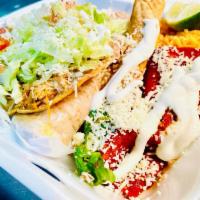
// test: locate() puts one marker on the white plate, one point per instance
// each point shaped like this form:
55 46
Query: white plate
182 181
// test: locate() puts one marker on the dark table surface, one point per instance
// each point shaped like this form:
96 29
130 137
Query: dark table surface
7 6
10 188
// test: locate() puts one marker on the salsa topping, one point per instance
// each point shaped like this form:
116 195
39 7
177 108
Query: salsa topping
4 43
119 141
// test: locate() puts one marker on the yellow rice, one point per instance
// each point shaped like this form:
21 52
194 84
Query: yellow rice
181 39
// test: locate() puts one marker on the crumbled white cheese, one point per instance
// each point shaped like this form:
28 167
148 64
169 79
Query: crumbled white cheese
88 178
166 66
129 112
102 129
78 138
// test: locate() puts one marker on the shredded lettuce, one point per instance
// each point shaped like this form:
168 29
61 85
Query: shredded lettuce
118 25
88 159
98 16
16 92
92 163
3 94
78 39
9 75
58 10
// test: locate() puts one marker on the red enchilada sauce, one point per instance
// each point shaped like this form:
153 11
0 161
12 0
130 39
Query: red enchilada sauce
4 43
122 141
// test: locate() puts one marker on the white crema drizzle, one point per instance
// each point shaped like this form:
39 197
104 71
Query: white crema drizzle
182 96
130 62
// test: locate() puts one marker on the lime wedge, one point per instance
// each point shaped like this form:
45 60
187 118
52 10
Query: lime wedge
184 16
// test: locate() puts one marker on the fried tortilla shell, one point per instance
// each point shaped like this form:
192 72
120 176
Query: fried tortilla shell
144 9
28 108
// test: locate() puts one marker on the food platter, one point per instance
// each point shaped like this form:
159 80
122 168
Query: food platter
180 182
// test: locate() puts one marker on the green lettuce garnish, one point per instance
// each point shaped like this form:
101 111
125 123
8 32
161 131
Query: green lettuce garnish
92 163
3 93
78 39
89 160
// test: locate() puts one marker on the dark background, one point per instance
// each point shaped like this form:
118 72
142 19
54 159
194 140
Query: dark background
7 6
11 189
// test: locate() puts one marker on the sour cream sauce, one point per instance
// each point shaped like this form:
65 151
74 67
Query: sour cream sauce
182 96
130 62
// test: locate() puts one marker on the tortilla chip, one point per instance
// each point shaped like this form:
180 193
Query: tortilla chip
144 9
